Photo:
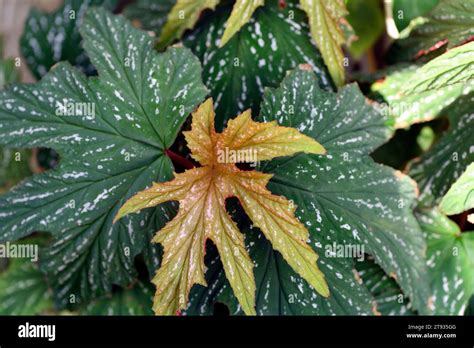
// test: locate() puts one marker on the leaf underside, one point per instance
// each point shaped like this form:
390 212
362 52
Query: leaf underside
449 24
418 94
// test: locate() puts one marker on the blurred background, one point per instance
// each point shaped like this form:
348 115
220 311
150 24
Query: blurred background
13 14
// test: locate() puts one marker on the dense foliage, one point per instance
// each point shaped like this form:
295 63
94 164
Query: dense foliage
357 196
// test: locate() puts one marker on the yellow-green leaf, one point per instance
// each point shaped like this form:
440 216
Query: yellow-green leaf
201 193
275 217
460 197
324 17
241 14
183 15
266 140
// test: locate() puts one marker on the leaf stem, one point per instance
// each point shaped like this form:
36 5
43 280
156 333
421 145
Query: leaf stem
178 159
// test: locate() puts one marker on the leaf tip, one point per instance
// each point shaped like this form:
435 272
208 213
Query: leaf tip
323 288
117 217
120 214
223 40
315 148
250 311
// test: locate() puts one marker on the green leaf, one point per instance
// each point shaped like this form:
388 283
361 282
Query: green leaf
406 10
201 193
450 260
13 163
452 68
23 288
419 105
426 138
324 17
134 301
280 291
387 293
355 198
460 197
183 16
367 19
342 197
449 24
241 14
149 14
258 56
439 168
49 38
140 100
8 73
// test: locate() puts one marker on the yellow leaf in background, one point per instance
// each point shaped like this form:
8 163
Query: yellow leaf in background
183 15
241 14
201 193
324 17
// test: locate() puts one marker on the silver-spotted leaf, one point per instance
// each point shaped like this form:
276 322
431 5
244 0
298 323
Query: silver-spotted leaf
111 133
257 56
460 197
343 198
280 291
449 24
49 38
444 163
450 260
363 202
